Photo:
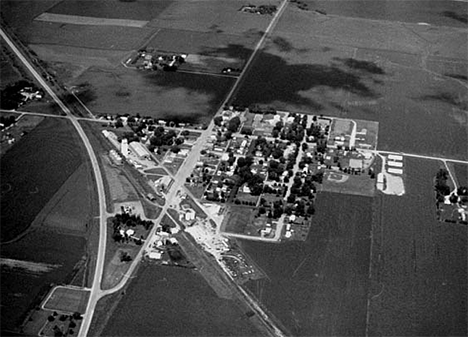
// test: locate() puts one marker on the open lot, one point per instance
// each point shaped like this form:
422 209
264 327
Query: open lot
67 300
319 287
419 269
33 171
370 70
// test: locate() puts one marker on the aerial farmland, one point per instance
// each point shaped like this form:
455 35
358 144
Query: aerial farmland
233 168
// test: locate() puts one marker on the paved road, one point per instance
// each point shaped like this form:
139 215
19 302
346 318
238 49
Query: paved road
95 288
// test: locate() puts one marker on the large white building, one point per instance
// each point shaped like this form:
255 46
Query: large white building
139 150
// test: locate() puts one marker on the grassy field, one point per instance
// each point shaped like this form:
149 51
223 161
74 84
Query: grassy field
186 97
34 170
166 301
237 219
419 269
412 98
319 287
67 300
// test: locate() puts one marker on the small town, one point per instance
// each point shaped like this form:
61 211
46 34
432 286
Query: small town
256 177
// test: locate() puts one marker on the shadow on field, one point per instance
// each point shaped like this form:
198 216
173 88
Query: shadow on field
456 16
272 79
284 45
449 98
366 66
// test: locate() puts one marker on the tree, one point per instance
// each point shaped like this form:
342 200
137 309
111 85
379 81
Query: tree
218 120
175 149
234 124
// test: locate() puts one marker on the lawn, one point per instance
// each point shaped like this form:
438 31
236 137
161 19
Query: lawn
67 300
319 287
34 170
461 173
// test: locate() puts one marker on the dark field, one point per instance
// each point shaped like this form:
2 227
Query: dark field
170 301
420 265
21 286
112 9
32 172
319 287
185 97
93 37
8 73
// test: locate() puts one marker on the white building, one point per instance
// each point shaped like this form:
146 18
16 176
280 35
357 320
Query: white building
395 171
139 150
395 157
124 147
395 163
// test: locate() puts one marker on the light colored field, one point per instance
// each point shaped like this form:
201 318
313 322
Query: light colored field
87 20
67 300
28 266
119 187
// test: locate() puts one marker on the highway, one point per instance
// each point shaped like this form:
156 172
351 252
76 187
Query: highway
96 286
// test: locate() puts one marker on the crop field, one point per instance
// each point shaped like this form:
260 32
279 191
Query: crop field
33 171
112 9
419 269
20 287
67 300
370 70
319 287
72 208
185 97
167 301
461 173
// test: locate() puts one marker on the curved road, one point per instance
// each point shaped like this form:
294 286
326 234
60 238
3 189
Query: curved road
96 286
